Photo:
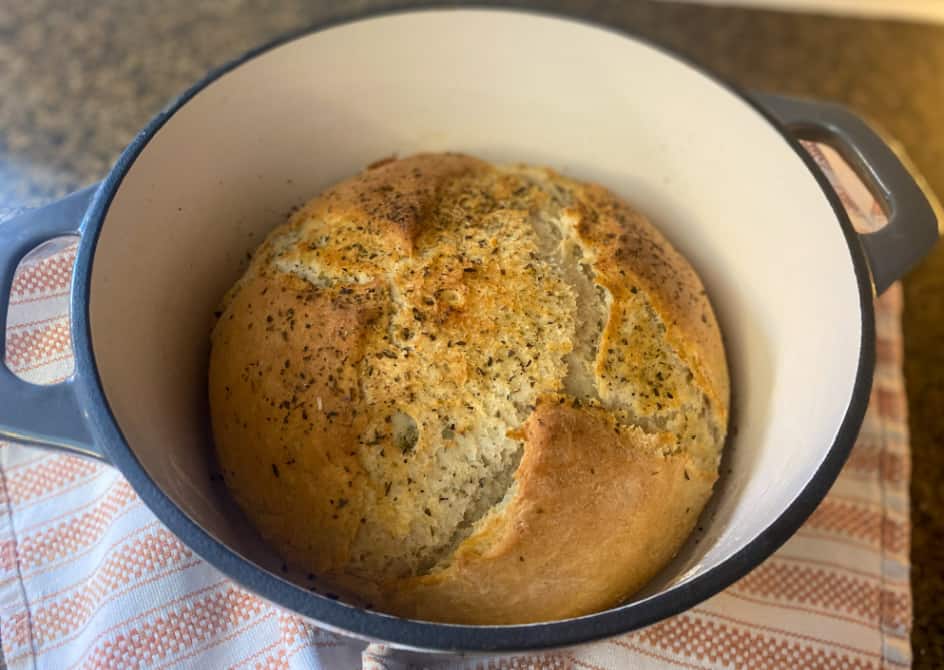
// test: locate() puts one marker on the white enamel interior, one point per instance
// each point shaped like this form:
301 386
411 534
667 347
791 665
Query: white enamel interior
709 170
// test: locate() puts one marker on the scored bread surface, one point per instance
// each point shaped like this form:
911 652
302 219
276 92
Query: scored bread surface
470 393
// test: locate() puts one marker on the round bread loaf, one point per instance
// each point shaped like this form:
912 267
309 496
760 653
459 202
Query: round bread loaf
469 393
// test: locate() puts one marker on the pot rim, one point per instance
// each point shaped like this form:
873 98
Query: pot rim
423 635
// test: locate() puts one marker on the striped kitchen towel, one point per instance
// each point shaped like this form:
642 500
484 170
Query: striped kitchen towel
90 579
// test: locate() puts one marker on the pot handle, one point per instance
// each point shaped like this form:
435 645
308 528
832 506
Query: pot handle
912 228
52 415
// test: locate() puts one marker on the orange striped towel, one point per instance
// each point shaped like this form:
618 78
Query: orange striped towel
90 579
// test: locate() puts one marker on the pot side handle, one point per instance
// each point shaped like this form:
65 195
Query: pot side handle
912 228
50 416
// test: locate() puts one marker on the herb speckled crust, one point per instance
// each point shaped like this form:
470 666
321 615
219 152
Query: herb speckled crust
470 393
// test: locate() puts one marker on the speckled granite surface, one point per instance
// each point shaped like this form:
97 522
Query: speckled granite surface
79 78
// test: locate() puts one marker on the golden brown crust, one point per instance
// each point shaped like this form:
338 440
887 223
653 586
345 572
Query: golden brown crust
270 379
399 344
632 254
393 198
598 511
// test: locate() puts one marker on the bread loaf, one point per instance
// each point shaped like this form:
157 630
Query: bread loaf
470 393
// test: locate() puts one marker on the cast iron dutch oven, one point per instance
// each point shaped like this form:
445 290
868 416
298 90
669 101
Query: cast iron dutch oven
721 173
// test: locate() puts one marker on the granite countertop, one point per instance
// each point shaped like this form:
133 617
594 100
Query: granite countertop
81 77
